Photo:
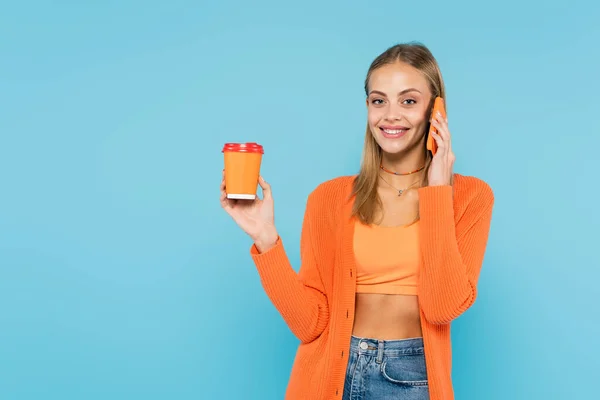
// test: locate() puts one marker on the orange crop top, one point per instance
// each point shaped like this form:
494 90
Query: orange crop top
387 258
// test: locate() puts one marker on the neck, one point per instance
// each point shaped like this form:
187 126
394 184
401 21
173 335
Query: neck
402 164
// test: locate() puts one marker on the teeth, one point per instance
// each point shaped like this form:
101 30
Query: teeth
393 131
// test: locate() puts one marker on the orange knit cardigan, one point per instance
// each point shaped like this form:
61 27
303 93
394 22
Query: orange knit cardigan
317 303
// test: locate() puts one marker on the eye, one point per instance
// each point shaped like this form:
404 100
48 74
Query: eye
377 101
410 100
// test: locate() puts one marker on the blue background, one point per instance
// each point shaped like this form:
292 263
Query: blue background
121 277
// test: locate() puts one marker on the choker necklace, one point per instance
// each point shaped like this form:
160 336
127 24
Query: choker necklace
400 173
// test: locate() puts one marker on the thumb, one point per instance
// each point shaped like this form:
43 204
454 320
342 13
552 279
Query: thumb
266 188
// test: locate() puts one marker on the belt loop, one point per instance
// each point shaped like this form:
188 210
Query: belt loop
379 351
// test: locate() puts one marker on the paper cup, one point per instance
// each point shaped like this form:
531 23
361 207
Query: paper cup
242 169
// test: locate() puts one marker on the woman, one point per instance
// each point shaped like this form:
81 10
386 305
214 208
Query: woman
390 257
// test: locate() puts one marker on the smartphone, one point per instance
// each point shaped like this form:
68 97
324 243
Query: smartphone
438 105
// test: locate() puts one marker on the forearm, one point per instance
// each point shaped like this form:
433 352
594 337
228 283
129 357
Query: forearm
302 306
445 289
452 256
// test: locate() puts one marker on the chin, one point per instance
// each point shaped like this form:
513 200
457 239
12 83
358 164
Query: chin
393 146
393 151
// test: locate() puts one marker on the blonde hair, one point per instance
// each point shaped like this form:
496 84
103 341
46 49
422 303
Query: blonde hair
367 202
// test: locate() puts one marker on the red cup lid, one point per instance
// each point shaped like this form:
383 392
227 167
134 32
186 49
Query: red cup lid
244 147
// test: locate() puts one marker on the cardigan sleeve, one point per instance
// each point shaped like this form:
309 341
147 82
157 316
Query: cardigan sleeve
299 297
452 252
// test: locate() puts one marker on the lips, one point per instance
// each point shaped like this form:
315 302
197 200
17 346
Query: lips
393 131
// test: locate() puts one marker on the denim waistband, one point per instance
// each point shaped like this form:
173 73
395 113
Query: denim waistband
391 348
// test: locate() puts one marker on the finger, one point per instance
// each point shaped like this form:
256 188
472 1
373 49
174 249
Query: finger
441 117
440 142
266 188
442 123
438 122
226 203
223 189
444 135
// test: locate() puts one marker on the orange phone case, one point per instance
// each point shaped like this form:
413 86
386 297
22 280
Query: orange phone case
438 105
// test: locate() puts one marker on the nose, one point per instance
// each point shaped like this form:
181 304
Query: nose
394 112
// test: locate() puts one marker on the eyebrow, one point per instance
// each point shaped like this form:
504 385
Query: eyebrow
399 94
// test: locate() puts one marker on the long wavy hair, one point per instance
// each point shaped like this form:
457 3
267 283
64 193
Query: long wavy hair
367 202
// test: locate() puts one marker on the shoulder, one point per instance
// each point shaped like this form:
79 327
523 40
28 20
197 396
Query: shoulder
470 191
335 187
331 194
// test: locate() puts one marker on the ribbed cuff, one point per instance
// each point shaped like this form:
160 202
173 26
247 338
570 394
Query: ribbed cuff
273 265
254 250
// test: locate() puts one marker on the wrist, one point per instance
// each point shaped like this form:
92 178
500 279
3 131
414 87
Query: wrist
438 184
266 240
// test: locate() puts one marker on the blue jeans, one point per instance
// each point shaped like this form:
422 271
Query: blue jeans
386 370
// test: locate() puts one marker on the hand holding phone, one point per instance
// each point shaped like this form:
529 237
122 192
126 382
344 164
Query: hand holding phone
438 105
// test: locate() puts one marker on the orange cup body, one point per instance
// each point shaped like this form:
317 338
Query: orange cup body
242 169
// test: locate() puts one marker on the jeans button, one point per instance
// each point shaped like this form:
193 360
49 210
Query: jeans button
364 345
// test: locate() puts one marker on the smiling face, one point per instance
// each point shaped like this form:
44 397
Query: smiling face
397 105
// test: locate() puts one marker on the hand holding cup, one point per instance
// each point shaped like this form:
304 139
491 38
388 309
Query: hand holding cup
241 177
